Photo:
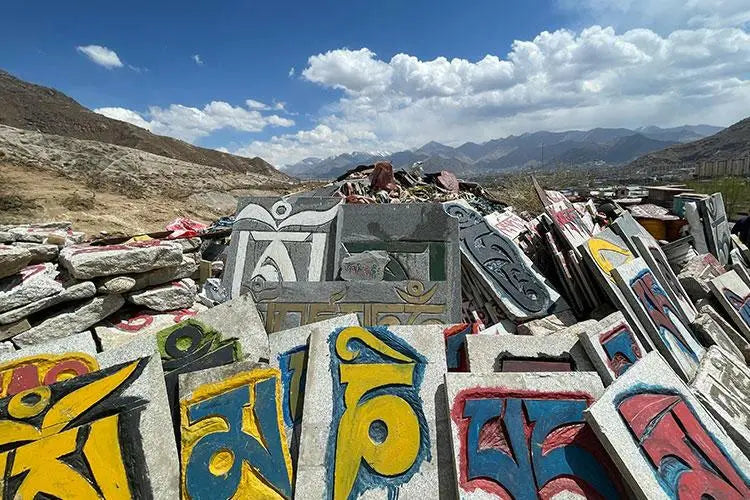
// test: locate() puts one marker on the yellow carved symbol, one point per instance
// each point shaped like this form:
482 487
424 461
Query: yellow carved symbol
384 430
597 246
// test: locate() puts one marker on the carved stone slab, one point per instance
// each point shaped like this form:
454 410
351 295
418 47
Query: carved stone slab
734 296
374 416
736 337
289 353
711 332
723 385
650 423
627 227
507 429
455 340
519 353
716 227
280 239
508 223
227 451
565 217
657 315
519 288
292 304
613 347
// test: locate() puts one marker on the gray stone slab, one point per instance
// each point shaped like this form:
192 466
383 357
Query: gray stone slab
565 217
71 320
723 385
716 227
648 421
13 329
612 346
139 281
651 252
508 223
224 394
401 379
289 354
710 332
78 291
13 259
734 296
521 291
657 316
80 342
40 252
695 225
697 272
368 265
87 261
285 305
500 423
679 252
626 227
742 271
280 239
176 295
547 325
514 353
29 285
737 338
6 348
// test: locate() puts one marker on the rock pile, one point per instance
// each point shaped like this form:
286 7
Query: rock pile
354 342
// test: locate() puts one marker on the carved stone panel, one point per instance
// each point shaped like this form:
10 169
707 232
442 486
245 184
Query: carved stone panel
734 296
613 347
716 227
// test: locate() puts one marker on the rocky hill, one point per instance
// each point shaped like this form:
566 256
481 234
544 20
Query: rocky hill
33 107
730 143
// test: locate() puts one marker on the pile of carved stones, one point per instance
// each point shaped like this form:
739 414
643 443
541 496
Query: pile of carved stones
344 350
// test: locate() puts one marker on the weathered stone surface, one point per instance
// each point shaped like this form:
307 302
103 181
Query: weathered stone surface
654 309
126 325
368 265
649 418
403 377
612 346
737 338
31 284
568 221
188 266
225 393
117 284
8 331
70 321
176 295
86 262
13 259
38 233
6 347
547 325
695 223
626 227
734 296
7 237
280 239
711 333
40 252
80 342
521 414
289 353
513 353
723 385
696 274
508 223
78 291
716 227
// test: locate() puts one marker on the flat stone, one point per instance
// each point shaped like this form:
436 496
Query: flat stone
627 227
188 266
31 284
7 237
40 252
13 329
176 295
649 408
695 224
737 338
6 347
364 266
35 233
569 222
520 413
612 346
86 262
723 385
508 223
456 354
547 325
711 333
78 291
289 354
404 374
228 391
13 259
716 227
734 296
117 284
696 274
653 308
70 321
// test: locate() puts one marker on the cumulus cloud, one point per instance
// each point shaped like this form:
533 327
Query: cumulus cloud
291 72
197 59
190 123
559 80
102 56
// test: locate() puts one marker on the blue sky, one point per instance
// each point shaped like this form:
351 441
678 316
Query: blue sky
328 77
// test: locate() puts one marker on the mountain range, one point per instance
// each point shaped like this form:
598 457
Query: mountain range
610 146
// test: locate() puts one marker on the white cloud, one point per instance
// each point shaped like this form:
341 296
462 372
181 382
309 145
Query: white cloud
559 80
189 123
197 59
291 72
253 104
102 56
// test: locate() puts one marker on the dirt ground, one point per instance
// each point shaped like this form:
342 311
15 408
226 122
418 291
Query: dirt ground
29 194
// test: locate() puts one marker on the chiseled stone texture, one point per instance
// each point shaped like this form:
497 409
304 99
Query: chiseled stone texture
176 295
653 377
127 324
697 272
80 342
6 348
604 362
734 296
40 252
13 259
547 325
78 291
70 321
134 282
712 333
13 329
31 284
737 338
86 262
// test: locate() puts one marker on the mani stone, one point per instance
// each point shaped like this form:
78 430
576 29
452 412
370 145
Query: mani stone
86 262
399 380
80 342
134 282
7 237
711 333
289 354
226 393
734 296
177 295
737 338
667 331
517 353
696 274
6 348
31 284
612 346
502 429
695 224
364 266
547 325
650 422
13 259
126 325
13 329
71 320
40 252
723 385
78 291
